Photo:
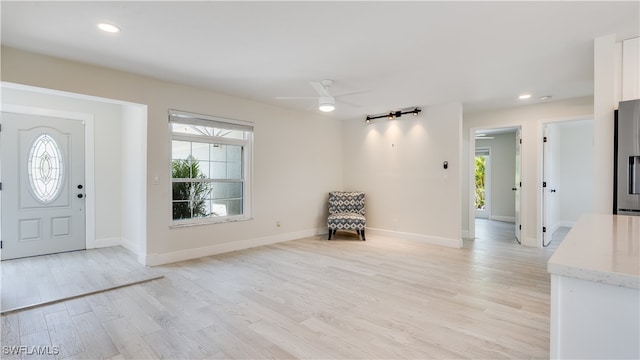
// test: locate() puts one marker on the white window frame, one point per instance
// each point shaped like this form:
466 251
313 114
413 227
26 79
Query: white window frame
187 118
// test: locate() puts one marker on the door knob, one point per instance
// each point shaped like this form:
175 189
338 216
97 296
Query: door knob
80 196
514 189
553 190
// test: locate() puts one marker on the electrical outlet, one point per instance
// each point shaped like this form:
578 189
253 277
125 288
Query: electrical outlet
278 225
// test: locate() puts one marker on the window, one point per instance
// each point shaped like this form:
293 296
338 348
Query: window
210 168
45 168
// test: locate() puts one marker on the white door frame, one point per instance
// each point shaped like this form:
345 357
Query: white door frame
88 119
471 184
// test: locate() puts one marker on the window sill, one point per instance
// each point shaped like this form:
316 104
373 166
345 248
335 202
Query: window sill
187 223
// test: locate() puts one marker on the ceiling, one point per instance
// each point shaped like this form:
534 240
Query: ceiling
397 54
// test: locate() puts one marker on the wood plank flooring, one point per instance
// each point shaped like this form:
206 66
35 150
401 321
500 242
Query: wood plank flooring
314 299
48 278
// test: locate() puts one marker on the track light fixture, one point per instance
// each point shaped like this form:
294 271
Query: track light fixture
393 114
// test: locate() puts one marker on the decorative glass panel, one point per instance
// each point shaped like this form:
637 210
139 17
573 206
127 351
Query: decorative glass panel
207 131
46 168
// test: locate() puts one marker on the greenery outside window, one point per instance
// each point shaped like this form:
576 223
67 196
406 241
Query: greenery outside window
210 168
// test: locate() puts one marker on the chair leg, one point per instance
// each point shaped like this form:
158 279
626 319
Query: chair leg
329 234
363 238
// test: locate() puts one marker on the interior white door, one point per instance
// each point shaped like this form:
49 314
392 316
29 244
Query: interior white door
42 167
547 180
517 187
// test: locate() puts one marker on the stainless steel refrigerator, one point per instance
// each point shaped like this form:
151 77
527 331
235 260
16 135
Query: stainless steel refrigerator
627 159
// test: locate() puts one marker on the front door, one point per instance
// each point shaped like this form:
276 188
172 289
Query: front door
42 168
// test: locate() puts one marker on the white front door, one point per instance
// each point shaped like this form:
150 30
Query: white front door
42 168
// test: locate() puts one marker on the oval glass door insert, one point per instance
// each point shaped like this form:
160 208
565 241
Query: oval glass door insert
45 168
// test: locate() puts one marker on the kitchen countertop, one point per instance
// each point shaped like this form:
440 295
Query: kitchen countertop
601 248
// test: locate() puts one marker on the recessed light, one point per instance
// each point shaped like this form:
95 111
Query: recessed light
524 96
110 28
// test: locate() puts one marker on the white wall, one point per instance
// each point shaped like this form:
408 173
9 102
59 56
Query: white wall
107 169
297 156
503 170
399 164
530 119
133 213
607 85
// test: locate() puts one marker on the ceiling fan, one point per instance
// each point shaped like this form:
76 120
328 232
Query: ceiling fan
326 101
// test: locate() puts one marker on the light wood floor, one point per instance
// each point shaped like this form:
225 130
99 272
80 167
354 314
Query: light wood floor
46 278
313 299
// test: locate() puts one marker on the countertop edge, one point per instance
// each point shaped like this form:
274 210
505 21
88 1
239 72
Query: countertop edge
601 248
608 278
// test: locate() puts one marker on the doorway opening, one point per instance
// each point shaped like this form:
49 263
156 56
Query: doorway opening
495 183
482 203
114 186
567 175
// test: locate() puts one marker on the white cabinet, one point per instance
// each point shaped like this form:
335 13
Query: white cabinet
631 69
595 290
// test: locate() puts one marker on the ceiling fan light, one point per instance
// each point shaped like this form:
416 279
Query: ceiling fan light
326 103
110 28
326 107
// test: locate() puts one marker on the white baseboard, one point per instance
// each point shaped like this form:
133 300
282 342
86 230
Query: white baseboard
188 254
134 248
566 223
431 240
107 242
533 242
511 219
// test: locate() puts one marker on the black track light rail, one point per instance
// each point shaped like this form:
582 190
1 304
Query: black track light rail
393 114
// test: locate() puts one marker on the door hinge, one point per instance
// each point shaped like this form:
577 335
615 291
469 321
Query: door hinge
519 227
520 141
0 186
544 139
0 244
544 229
520 184
544 184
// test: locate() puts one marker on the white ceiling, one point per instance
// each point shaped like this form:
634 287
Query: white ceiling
482 54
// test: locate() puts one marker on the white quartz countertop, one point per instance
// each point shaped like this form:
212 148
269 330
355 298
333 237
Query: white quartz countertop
601 248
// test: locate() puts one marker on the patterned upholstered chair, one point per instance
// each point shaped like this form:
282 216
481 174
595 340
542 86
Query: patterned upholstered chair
346 212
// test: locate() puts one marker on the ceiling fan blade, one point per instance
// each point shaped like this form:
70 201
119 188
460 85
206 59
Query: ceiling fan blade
352 92
295 97
319 88
349 103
